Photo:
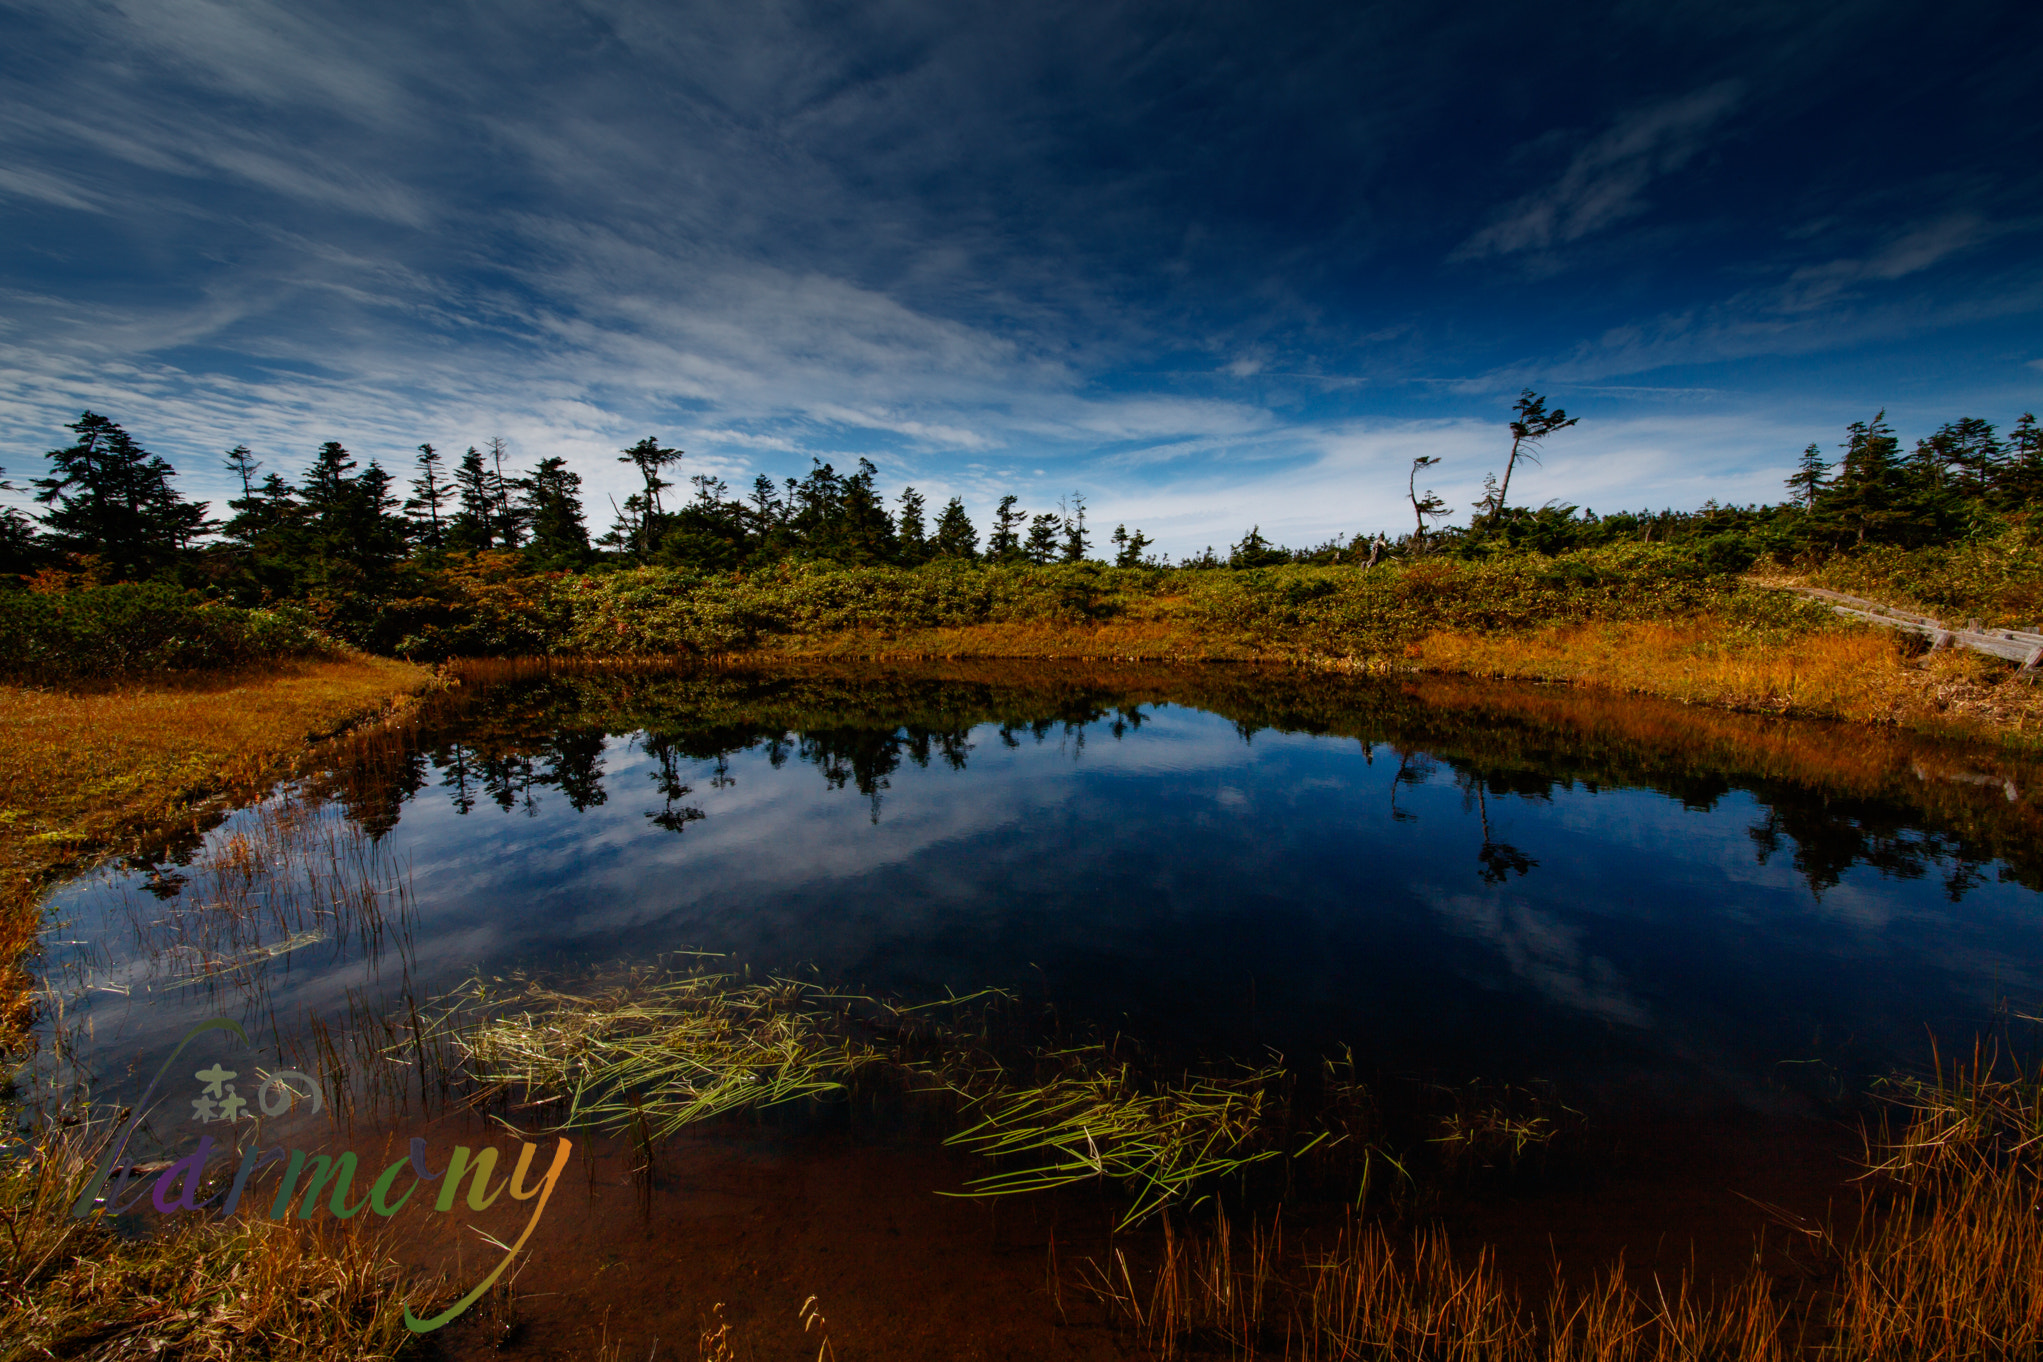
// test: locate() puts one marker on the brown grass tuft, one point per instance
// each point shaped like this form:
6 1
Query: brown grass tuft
1866 676
201 1289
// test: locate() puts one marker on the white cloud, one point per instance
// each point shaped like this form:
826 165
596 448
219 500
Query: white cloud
1606 181
1820 286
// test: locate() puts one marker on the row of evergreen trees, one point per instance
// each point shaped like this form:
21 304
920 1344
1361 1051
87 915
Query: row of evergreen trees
842 518
343 527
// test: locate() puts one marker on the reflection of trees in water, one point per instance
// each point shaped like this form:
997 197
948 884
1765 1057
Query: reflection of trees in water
1824 836
1830 838
510 745
1499 860
510 770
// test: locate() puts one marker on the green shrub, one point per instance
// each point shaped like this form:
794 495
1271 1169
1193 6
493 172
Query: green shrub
484 608
1997 578
137 629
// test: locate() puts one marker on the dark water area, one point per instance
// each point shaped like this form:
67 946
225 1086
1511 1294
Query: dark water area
1698 938
1455 880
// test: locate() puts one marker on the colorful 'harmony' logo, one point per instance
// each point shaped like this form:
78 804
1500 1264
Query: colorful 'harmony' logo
175 1188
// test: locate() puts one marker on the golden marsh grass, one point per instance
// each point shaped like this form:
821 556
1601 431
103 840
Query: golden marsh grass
203 1290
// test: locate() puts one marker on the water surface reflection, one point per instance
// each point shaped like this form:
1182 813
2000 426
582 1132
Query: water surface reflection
1460 880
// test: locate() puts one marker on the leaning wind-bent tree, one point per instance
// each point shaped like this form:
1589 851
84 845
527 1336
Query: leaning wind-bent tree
1531 423
1428 505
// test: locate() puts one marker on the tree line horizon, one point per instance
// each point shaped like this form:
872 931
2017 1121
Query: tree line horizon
344 527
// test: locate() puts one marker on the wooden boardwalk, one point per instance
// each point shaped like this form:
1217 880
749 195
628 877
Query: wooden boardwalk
2016 645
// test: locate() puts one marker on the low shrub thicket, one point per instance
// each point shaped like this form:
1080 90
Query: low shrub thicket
1998 579
137 629
483 606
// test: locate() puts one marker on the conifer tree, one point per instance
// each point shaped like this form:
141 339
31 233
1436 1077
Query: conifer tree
2020 480
1806 483
1044 533
508 510
1128 547
955 535
430 491
1531 422
1076 542
1867 497
910 534
1004 544
1428 505
241 462
867 533
650 457
551 504
111 498
473 524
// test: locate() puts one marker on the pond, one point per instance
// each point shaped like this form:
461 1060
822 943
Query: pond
1456 880
1688 942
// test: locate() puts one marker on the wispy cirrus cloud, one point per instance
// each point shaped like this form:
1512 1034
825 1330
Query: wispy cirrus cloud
1605 183
1176 256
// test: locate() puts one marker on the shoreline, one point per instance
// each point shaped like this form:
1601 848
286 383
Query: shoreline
94 774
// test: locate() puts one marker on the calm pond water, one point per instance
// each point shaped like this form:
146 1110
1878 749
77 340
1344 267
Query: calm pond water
1457 880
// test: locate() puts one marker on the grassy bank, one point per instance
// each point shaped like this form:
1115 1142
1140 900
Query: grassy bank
1819 669
1995 579
1647 619
92 771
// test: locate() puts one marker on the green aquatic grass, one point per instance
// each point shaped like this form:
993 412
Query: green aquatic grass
657 1056
1161 1141
653 1056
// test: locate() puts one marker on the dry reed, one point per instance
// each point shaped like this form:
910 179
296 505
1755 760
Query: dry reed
1862 675
200 1289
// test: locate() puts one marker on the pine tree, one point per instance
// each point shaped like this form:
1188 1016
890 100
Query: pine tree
1254 551
112 498
381 532
1531 422
1428 505
1076 544
1004 544
350 535
1044 532
909 530
1806 483
767 509
2019 482
955 535
265 517
241 462
627 531
817 503
1866 498
429 492
868 531
473 525
649 457
18 539
1128 547
508 512
1964 455
551 503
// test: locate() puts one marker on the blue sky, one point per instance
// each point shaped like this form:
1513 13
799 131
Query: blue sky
1210 264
